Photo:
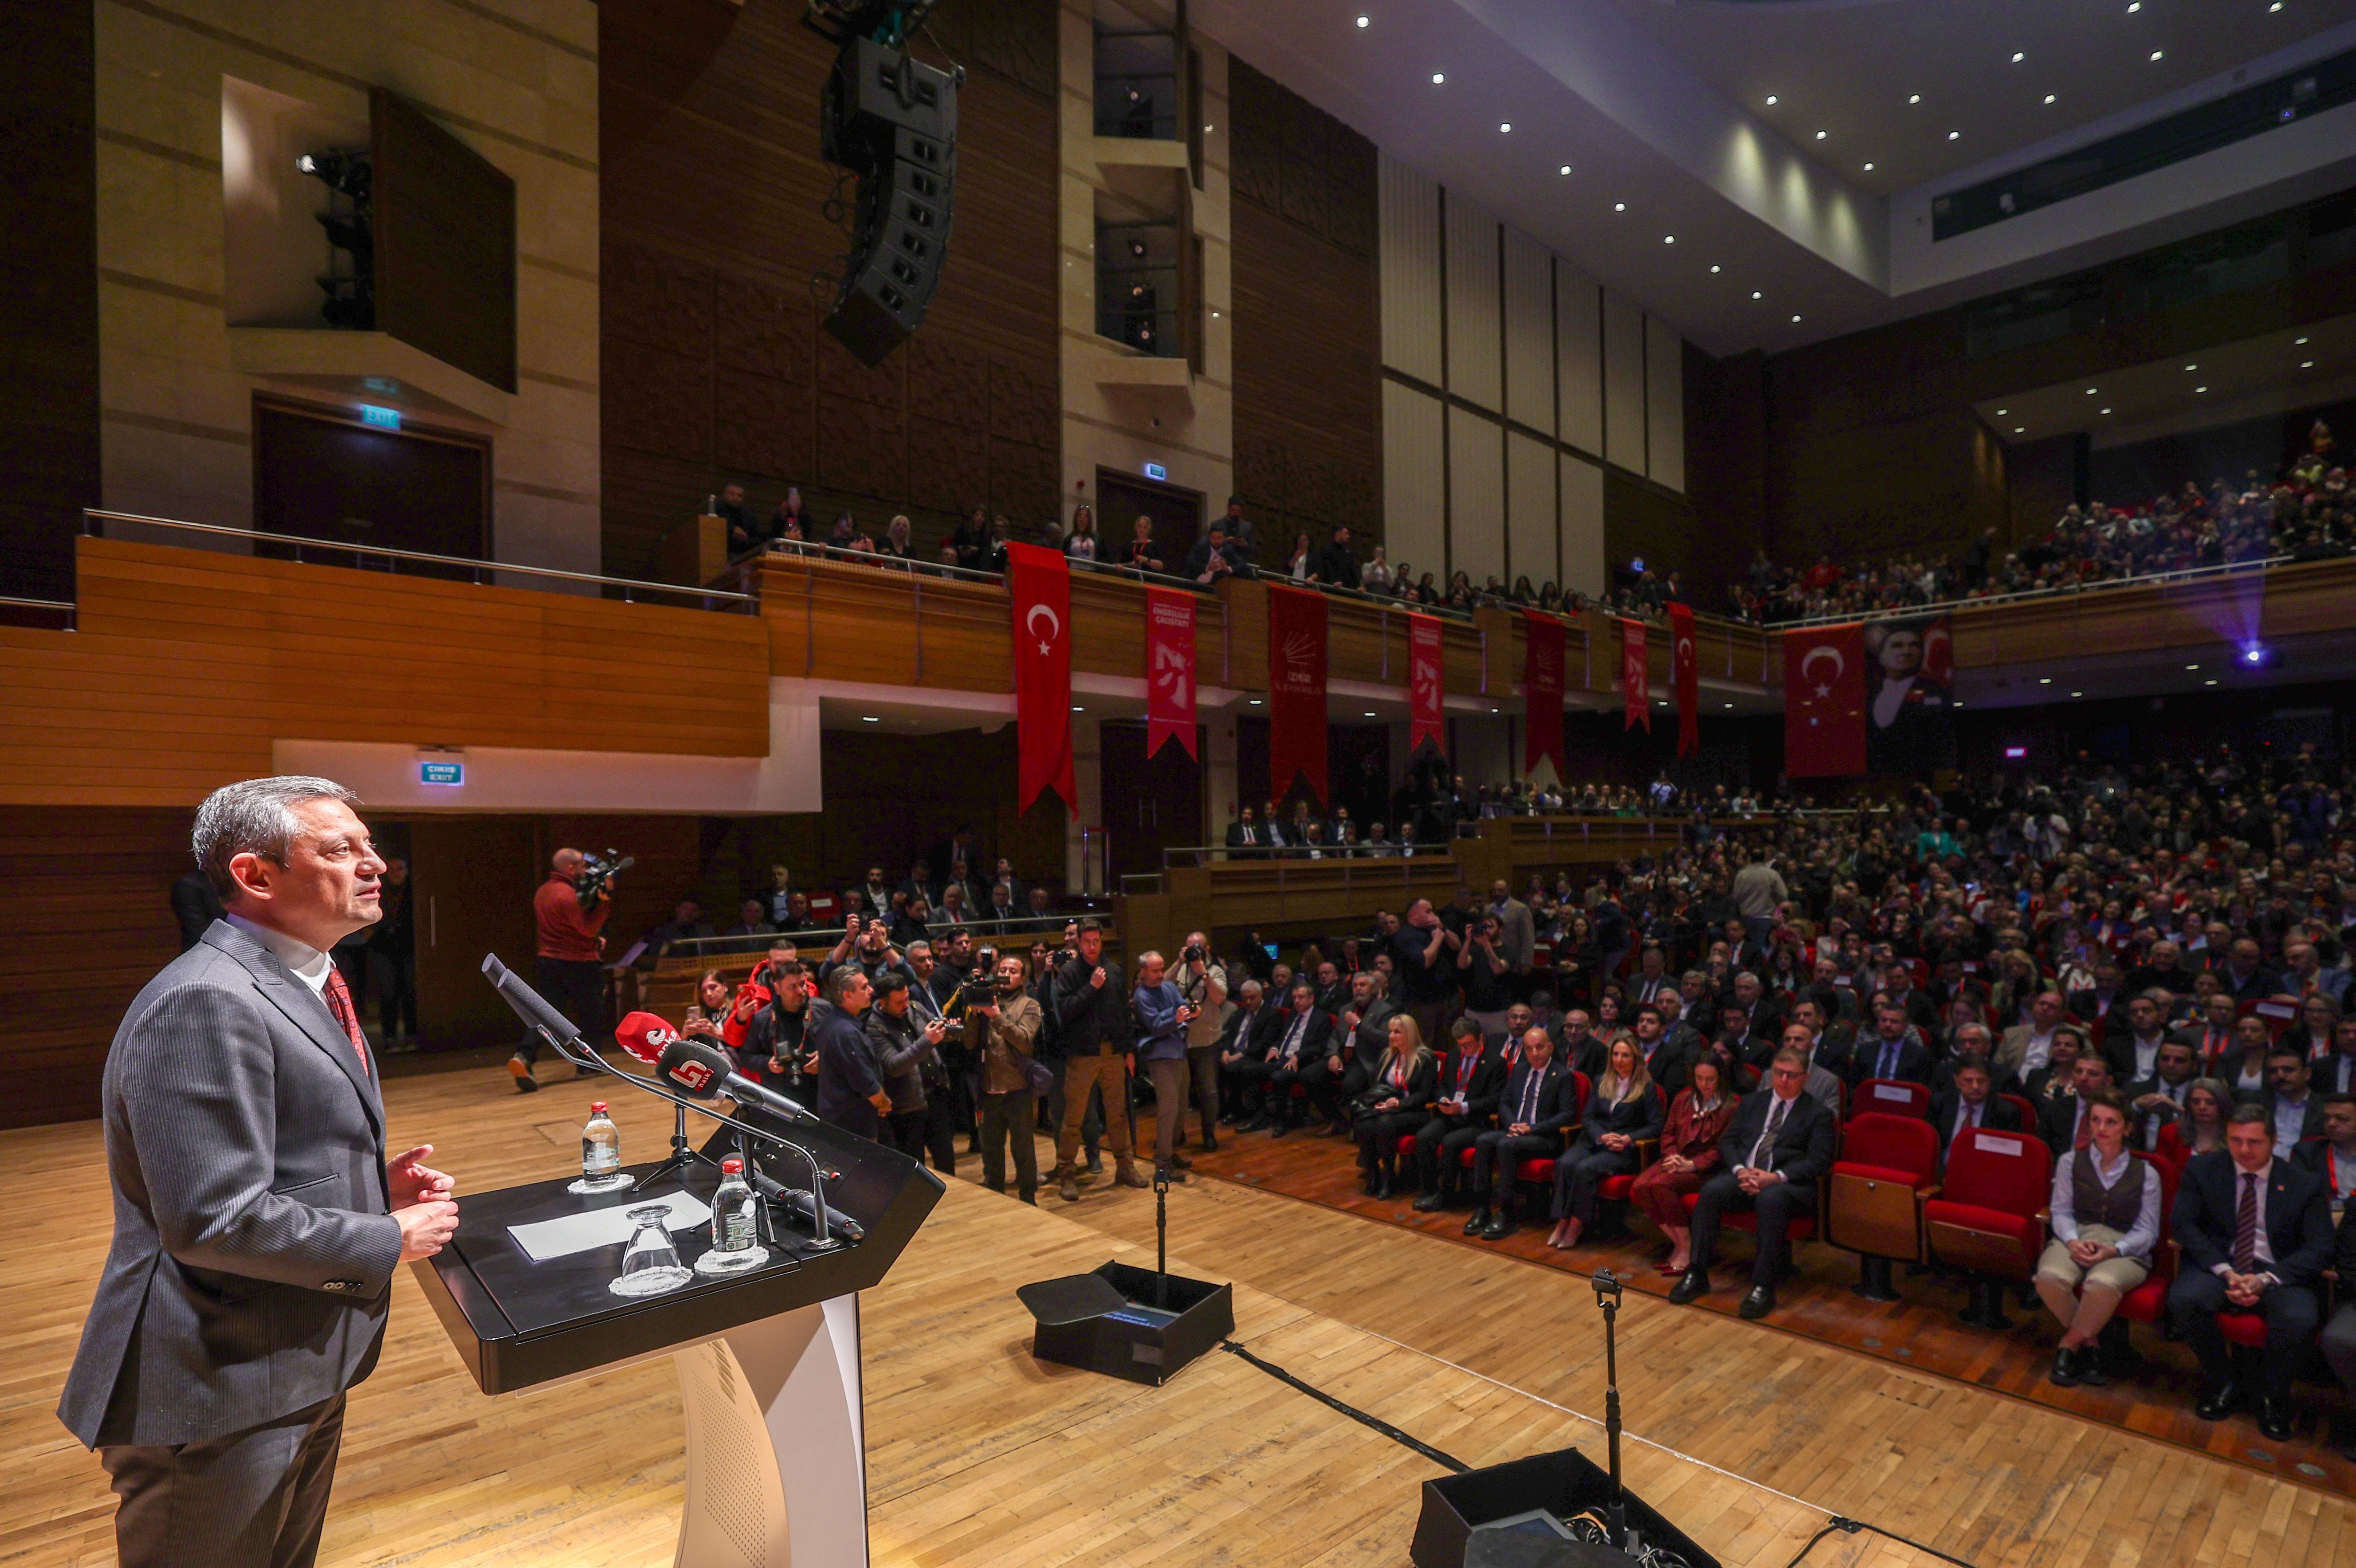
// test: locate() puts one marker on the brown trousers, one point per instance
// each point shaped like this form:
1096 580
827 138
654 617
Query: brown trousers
1081 1072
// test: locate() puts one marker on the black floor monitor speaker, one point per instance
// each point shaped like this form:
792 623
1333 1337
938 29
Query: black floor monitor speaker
891 120
1564 1483
1118 1322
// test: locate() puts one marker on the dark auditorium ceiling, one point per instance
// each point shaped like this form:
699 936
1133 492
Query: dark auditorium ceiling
1661 105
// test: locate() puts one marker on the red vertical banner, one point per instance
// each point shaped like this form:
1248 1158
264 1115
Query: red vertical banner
1169 670
1296 690
1635 676
1824 701
1542 692
1039 588
1685 679
1426 689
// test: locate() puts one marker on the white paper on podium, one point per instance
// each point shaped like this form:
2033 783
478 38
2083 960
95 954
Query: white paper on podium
545 1238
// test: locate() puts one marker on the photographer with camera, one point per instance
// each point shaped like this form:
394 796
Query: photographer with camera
1162 1014
570 909
906 1049
1204 987
776 1040
1002 1025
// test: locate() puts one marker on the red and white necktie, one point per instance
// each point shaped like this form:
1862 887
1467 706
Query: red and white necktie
339 998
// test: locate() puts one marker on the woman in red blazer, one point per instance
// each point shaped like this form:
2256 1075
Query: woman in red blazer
1688 1155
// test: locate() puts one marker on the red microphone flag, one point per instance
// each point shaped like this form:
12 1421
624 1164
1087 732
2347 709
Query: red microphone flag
1542 692
1039 584
1635 676
1168 670
1425 689
1684 678
644 1035
1296 690
1824 701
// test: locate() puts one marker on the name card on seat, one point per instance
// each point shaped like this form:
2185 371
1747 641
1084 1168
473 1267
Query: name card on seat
1891 1091
2276 1010
1992 1143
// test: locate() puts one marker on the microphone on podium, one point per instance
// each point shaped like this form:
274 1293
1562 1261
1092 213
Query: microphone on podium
697 1068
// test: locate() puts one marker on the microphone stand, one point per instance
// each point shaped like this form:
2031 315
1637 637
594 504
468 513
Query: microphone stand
1607 1297
1162 1237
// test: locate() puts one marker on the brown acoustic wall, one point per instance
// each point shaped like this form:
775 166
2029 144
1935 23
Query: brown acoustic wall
1308 393
713 366
48 294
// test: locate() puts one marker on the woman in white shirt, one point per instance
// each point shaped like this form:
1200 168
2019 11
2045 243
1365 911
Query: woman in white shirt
1375 577
2106 1222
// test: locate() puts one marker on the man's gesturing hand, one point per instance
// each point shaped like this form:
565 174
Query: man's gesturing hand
425 1226
413 1182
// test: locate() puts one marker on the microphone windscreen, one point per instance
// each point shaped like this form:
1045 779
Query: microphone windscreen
644 1035
696 1068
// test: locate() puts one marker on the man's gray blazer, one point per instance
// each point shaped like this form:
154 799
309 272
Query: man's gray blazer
253 1246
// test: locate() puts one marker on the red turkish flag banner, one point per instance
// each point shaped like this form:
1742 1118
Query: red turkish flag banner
1824 701
1296 690
1039 584
1169 670
1685 679
1635 676
1425 689
1542 692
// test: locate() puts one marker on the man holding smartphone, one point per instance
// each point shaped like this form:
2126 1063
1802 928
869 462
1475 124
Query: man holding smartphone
1162 1013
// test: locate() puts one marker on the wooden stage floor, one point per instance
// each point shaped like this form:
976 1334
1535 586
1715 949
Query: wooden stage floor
980 1456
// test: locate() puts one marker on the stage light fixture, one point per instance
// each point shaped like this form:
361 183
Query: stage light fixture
349 282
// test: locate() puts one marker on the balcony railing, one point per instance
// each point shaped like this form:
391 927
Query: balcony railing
2026 596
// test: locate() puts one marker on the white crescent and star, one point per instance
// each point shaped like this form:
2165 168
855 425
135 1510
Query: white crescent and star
1055 625
1825 651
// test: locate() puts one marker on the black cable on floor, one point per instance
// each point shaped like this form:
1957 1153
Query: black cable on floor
1445 1461
1852 1527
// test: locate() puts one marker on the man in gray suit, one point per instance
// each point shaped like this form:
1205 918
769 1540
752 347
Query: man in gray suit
257 1223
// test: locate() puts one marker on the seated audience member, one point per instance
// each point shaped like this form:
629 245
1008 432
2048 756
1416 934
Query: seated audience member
1971 1101
1893 1051
1002 1035
686 924
751 921
1664 1055
2105 1223
1689 1145
2340 1335
1298 1052
2210 1032
2042 1085
2255 1232
2134 1049
1247 835
2061 1120
2291 1105
2333 1158
2335 1074
2243 1067
2201 1129
2157 1100
1396 1105
1818 1082
1536 1107
1470 1080
1624 1109
1240 1042
1777 1147
2029 1047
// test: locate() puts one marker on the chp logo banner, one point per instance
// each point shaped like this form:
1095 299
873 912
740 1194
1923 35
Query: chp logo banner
1910 697
1168 670
1685 679
1824 701
1635 676
1039 584
1542 692
1425 690
1296 690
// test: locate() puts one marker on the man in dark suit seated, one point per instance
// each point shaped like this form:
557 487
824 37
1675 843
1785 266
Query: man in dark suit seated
1299 1046
1539 1101
1245 835
1893 1051
2061 1120
2339 1334
2292 1106
1779 1145
2256 1232
1667 1056
2159 1100
1471 1082
1972 1102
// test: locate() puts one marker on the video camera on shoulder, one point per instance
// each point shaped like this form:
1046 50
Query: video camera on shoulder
596 871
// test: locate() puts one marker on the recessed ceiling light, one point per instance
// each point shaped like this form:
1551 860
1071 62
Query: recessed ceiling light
1795 320
2020 430
2045 681
1438 77
2208 683
1914 98
2275 7
1771 100
2160 54
1619 206
1370 713
2306 364
1869 168
1564 170
2192 367
2199 389
1362 21
1954 136
2077 693
2192 667
1668 239
869 718
1492 711
2091 391
1503 126
2018 56
1078 709
2297 342
1757 296
1821 134
2133 6
2106 411
1255 702
2001 413
1716 268
2050 97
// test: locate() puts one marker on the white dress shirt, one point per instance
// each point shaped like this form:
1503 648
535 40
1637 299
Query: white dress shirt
308 963
2141 1236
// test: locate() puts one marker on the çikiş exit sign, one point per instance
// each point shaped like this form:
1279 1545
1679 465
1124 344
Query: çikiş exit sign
441 773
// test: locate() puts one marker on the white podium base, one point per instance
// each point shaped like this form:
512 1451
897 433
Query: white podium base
777 1456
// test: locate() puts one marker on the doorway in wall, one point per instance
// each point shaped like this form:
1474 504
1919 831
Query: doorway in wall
1177 517
319 474
1151 803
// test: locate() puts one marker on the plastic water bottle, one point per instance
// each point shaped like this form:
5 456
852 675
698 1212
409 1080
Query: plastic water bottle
735 1225
601 1148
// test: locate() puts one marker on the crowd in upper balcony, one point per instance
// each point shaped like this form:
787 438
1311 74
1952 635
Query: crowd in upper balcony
2307 513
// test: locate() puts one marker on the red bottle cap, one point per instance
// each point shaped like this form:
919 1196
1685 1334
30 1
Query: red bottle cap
596 1107
732 1166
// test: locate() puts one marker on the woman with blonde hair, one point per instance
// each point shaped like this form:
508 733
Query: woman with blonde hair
1624 1110
1397 1104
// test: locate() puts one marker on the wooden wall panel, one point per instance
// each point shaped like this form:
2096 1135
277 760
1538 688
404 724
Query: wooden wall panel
1578 356
1582 527
1473 367
1308 326
1624 382
1410 272
715 367
1415 480
1530 510
1476 496
48 294
1529 332
1665 405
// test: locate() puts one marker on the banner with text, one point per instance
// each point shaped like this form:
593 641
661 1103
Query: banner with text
1426 691
1635 676
1169 670
1685 679
1039 585
1824 701
1296 690
1542 692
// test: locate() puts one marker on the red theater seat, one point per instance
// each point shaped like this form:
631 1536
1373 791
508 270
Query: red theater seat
1889 1096
1988 1218
1887 1167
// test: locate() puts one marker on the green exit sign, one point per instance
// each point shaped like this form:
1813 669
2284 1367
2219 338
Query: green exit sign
441 773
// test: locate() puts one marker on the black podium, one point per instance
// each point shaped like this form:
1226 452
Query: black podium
768 1361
